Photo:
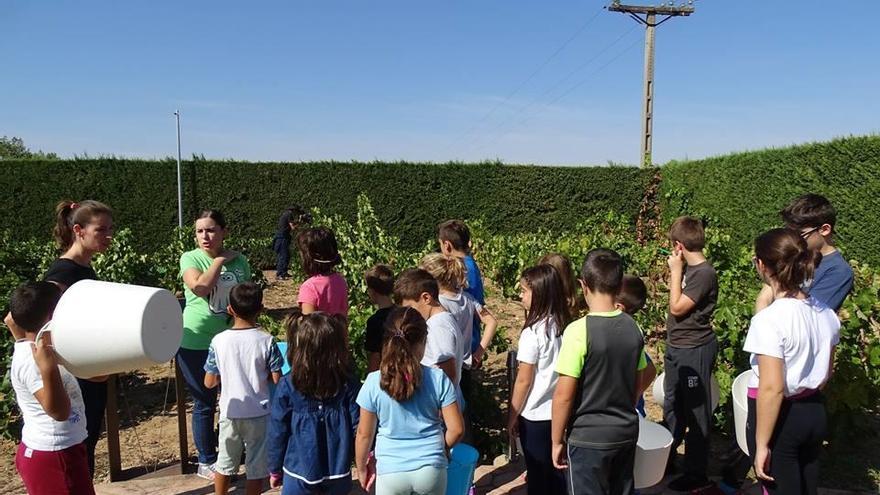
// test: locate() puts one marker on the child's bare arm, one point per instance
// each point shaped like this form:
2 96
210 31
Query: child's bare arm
449 368
212 380
454 423
366 431
525 376
563 398
490 325
644 377
14 329
650 373
679 304
52 397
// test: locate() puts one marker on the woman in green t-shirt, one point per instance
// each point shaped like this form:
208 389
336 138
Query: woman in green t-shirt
209 272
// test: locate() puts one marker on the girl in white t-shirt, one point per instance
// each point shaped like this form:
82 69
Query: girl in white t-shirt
792 344
547 314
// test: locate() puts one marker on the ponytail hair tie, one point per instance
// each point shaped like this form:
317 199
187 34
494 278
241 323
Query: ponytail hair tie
407 377
74 206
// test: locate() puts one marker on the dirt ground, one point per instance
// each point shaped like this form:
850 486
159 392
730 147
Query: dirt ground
148 419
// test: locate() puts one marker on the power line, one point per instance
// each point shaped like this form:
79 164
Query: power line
552 88
561 95
650 13
528 79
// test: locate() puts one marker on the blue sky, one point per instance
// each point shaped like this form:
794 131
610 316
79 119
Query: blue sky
431 81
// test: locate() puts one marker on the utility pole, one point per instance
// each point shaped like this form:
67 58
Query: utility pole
179 182
650 14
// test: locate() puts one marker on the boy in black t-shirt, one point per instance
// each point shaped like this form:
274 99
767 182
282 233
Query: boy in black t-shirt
380 285
691 350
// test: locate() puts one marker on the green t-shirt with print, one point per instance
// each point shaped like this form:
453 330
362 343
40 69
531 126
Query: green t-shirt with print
205 317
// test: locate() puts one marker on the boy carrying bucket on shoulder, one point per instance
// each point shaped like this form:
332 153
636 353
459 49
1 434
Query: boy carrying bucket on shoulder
244 358
51 457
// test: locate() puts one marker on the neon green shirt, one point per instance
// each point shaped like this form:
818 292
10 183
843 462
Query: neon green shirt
575 346
205 317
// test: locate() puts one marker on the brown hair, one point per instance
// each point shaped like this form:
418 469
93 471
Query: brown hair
246 300
786 256
449 271
809 210
602 271
412 283
32 304
688 231
317 353
70 213
566 273
215 215
318 251
400 369
633 294
548 301
380 278
457 233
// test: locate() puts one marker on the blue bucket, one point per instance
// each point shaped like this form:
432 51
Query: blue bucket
285 368
460 473
282 346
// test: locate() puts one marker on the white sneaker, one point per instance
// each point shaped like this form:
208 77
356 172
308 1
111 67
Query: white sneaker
206 471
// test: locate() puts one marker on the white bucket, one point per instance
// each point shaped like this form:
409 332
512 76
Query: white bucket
100 328
740 392
652 454
658 394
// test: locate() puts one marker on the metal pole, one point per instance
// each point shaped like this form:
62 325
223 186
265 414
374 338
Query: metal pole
648 110
179 181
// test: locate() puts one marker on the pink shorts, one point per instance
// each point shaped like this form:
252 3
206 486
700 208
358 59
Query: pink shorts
55 472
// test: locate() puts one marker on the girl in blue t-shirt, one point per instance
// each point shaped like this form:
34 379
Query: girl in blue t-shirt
314 414
410 403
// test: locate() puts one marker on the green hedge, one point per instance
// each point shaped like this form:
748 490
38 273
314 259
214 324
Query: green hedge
742 192
410 199
746 191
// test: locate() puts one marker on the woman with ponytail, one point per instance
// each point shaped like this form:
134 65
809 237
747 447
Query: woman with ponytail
792 345
410 404
83 230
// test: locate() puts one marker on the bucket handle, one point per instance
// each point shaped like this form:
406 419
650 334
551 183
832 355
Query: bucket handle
47 328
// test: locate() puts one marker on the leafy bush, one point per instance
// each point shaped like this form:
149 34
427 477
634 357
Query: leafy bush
854 390
19 263
744 192
409 198
855 386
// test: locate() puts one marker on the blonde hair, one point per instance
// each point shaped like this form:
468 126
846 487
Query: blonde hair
449 271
